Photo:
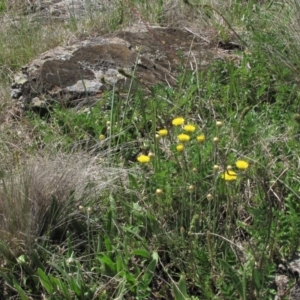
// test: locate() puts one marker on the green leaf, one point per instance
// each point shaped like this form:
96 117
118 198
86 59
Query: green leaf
149 272
106 261
141 252
240 286
75 287
62 288
7 278
34 257
45 281
257 279
179 289
21 292
119 263
5 251
108 244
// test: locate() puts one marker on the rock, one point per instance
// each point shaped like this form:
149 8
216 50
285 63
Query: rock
85 69
281 282
46 11
288 275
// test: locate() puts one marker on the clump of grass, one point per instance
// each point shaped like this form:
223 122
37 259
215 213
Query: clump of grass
42 192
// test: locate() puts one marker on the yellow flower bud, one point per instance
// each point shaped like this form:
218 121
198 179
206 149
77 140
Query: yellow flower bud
178 121
216 167
183 137
159 192
101 137
191 188
200 138
180 148
143 159
209 197
151 154
163 132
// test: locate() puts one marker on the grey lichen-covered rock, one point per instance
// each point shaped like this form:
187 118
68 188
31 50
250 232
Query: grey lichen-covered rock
287 279
85 69
45 11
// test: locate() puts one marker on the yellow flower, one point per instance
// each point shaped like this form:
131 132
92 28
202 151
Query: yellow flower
201 138
180 148
241 164
189 128
229 175
183 137
215 140
219 123
178 121
143 159
163 132
101 137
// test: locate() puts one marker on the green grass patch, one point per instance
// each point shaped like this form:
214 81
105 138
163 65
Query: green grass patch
186 192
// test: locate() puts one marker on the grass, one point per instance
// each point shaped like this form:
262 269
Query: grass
117 202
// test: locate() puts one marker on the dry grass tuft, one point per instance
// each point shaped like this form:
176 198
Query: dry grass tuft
46 190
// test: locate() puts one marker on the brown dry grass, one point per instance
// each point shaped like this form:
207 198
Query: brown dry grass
28 191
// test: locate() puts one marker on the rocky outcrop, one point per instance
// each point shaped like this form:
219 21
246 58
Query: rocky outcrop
287 278
45 11
81 72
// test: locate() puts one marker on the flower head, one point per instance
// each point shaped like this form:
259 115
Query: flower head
219 123
209 197
241 164
163 132
229 175
151 154
216 168
158 192
189 128
201 138
191 188
183 137
179 147
178 121
215 140
101 137
143 159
